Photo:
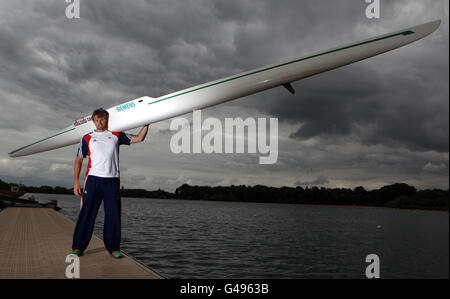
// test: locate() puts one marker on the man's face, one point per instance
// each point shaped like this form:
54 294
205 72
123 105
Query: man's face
101 123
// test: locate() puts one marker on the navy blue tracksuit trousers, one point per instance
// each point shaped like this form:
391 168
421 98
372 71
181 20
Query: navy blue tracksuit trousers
95 190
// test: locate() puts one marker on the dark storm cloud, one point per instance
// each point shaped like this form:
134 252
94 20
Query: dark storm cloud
403 110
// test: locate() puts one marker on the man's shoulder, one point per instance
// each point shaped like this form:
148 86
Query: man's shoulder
87 136
115 133
118 133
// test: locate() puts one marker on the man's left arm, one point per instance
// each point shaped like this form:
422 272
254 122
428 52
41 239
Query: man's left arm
140 136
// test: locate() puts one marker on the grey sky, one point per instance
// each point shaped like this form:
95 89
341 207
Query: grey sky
376 122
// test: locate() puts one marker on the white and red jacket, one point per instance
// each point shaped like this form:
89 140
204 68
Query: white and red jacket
103 151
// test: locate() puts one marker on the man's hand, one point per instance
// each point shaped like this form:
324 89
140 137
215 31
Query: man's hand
76 189
76 176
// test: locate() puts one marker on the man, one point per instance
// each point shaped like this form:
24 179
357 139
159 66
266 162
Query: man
102 183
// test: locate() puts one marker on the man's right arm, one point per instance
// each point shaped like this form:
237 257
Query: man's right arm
76 176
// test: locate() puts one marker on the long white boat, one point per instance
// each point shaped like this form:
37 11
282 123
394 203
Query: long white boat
147 110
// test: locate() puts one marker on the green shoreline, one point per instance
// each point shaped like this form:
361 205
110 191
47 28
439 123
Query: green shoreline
398 195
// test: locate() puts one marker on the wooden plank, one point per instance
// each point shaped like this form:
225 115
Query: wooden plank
34 243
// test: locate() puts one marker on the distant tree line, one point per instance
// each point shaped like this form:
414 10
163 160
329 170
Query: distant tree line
398 195
62 190
146 194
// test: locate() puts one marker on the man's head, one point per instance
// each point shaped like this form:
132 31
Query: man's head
100 118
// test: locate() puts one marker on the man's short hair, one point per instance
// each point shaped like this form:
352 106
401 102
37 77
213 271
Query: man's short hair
100 112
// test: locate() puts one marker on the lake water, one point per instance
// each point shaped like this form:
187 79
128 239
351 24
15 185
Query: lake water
205 239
